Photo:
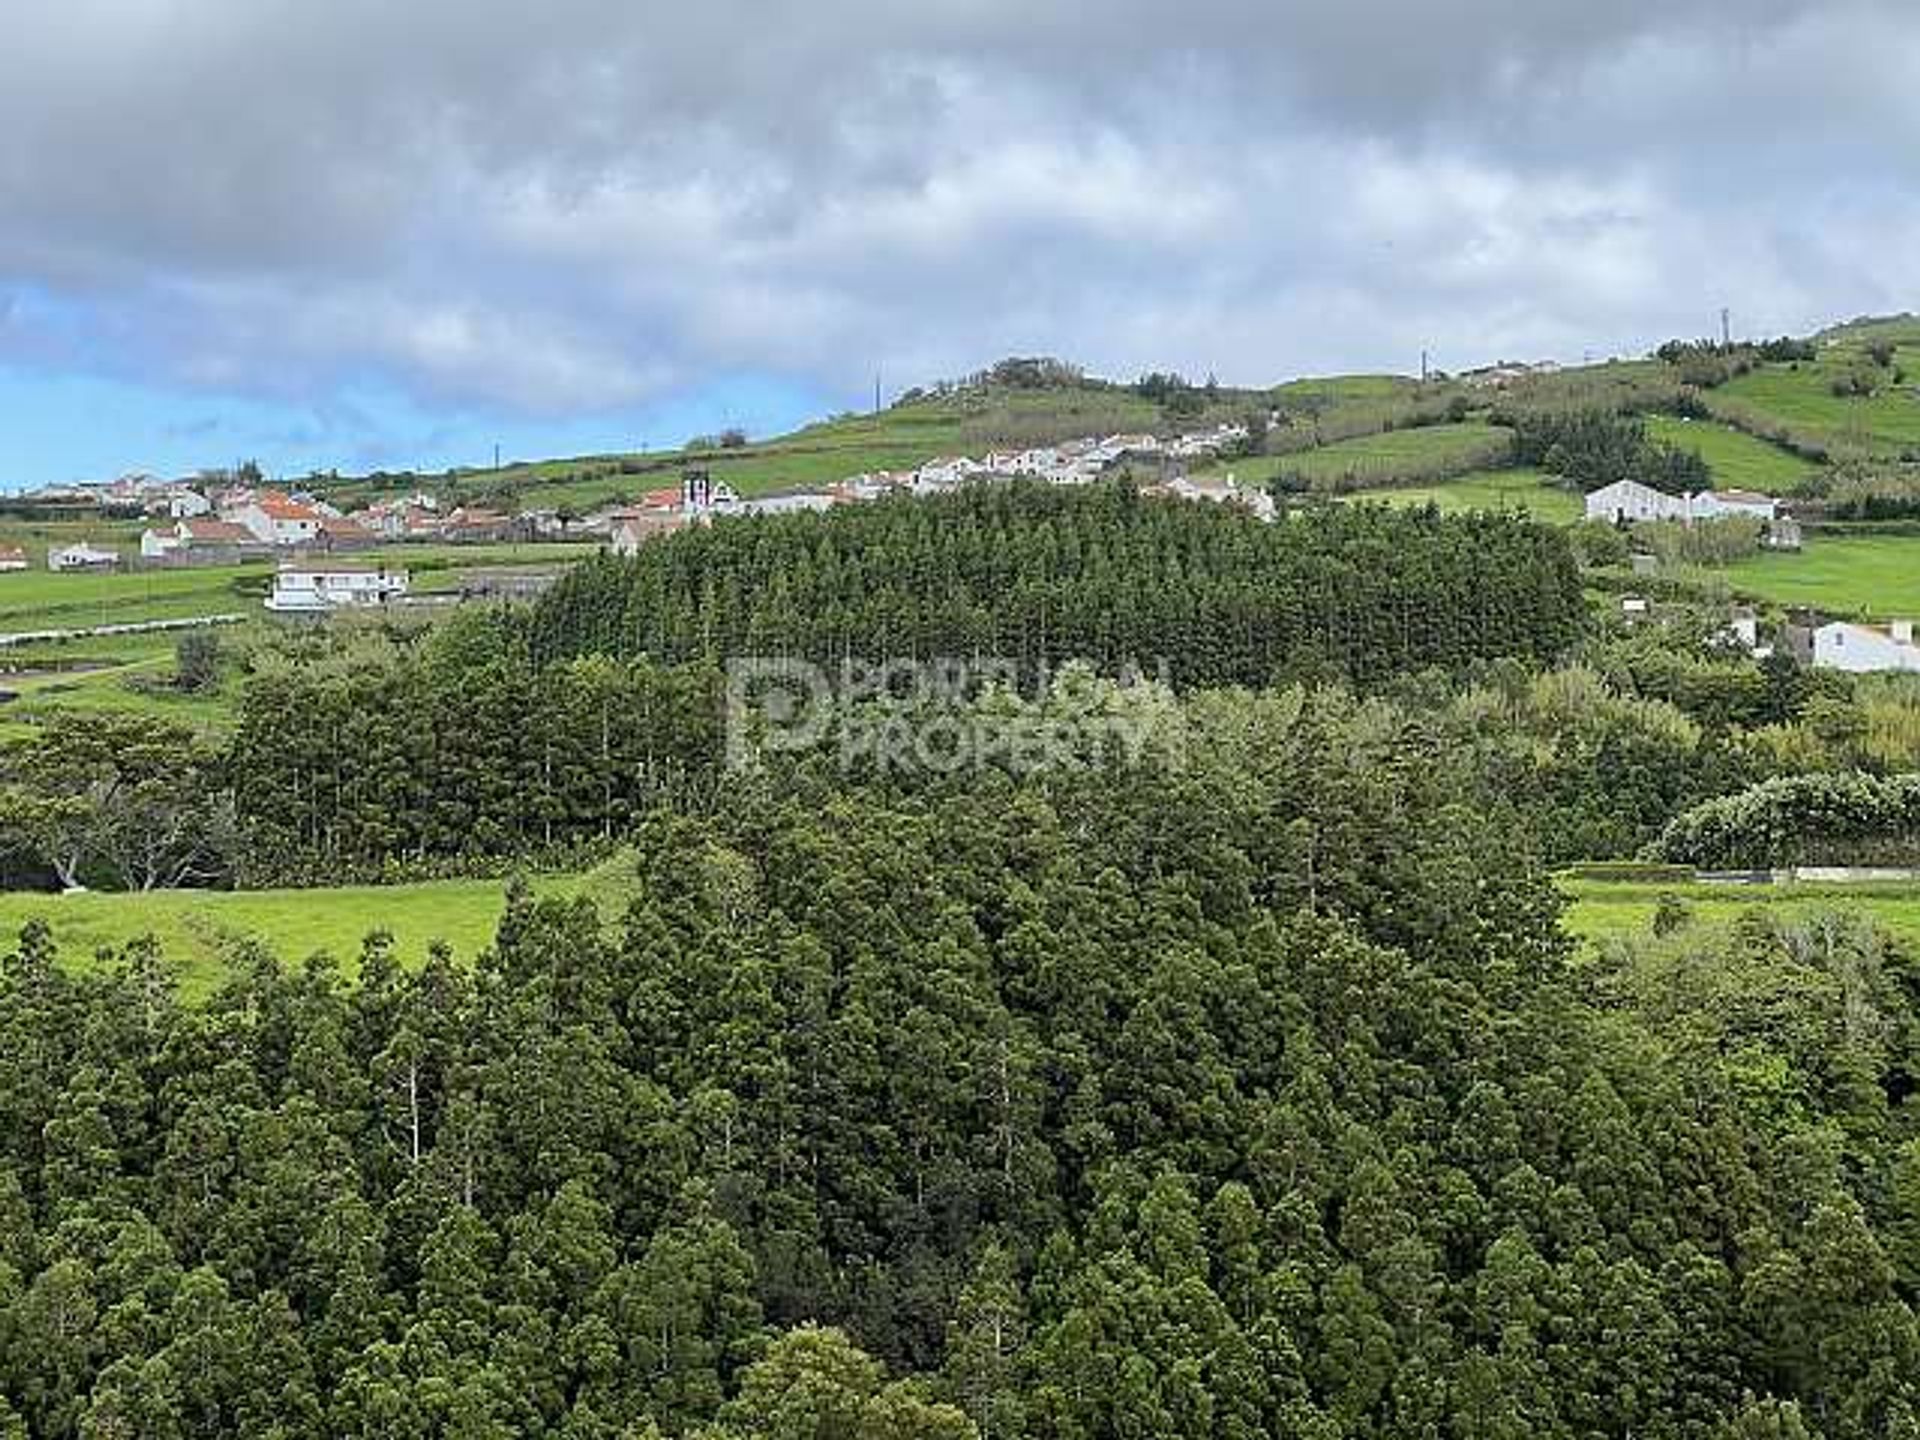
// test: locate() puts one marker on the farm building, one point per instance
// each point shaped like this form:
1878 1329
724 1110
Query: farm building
12 557
1627 502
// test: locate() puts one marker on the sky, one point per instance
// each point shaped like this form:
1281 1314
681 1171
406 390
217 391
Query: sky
360 234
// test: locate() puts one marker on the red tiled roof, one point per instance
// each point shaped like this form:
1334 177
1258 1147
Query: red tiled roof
279 507
217 532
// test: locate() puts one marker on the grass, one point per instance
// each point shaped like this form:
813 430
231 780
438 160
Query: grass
1533 491
1337 388
1801 397
198 929
1871 576
106 673
37 537
1737 460
1380 460
43 600
1602 909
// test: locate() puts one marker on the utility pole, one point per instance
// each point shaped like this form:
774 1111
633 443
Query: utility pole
1726 327
876 392
496 454
1423 367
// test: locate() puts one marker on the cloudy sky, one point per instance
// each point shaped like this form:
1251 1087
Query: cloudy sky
359 232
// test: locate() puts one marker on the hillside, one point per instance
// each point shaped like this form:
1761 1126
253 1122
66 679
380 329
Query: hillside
915 429
1777 423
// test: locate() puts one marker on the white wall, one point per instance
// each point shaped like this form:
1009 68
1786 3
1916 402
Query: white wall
1857 648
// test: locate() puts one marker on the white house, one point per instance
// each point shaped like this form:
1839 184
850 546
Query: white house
1724 504
1256 501
12 557
318 589
278 520
945 473
1742 632
184 503
82 557
1842 645
1628 500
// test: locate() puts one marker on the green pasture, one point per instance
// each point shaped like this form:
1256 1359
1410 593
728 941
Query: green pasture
1871 576
1737 460
198 929
1533 491
1800 396
1603 909
1381 459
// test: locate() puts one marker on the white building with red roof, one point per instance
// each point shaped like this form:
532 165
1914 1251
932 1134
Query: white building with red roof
278 519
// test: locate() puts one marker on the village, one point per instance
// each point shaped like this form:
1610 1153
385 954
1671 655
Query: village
313 542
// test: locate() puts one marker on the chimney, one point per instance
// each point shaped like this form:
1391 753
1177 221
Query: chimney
1902 632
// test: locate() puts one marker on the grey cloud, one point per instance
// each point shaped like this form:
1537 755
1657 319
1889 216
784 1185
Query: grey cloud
583 203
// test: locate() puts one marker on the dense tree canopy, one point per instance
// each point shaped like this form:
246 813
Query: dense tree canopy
1041 575
1232 1099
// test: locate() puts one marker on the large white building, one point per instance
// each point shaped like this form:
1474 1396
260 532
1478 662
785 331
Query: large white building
1626 502
1843 645
318 589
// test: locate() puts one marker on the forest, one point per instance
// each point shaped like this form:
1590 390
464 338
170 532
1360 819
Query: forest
1256 1095
1040 575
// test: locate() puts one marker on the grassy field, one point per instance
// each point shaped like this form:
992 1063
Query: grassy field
1601 910
121 673
43 600
1737 460
1801 396
127 673
1873 576
198 929
1381 460
37 537
1530 490
1336 388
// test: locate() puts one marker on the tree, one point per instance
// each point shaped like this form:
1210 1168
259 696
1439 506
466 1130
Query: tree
129 798
196 660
